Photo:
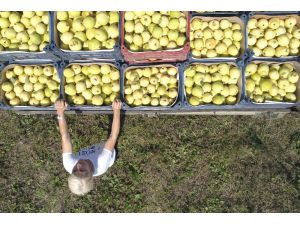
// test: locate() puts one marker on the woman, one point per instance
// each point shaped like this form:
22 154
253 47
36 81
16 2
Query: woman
91 161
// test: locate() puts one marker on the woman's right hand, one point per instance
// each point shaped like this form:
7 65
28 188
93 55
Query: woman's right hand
117 105
60 106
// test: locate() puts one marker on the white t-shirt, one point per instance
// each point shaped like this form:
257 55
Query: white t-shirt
101 158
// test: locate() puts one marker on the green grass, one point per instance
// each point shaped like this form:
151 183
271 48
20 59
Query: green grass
165 164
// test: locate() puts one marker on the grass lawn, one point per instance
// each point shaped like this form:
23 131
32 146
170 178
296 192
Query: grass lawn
165 164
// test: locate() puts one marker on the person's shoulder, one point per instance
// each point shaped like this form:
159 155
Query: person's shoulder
98 147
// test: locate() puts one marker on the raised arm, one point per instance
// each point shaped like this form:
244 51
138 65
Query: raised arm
112 140
61 106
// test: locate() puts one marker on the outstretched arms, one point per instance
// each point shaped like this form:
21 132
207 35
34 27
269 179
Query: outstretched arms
111 142
61 106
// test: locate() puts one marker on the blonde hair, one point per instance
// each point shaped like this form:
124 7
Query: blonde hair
80 185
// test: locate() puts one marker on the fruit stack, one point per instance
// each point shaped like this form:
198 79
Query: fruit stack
24 31
30 85
214 83
87 30
211 77
154 36
91 84
274 36
267 82
220 70
216 37
151 85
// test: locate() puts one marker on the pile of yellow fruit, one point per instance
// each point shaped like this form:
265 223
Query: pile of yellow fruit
87 30
153 85
274 37
271 82
24 31
212 84
92 84
154 30
215 38
31 85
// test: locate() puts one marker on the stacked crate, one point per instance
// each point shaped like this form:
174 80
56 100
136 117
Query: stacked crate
165 62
